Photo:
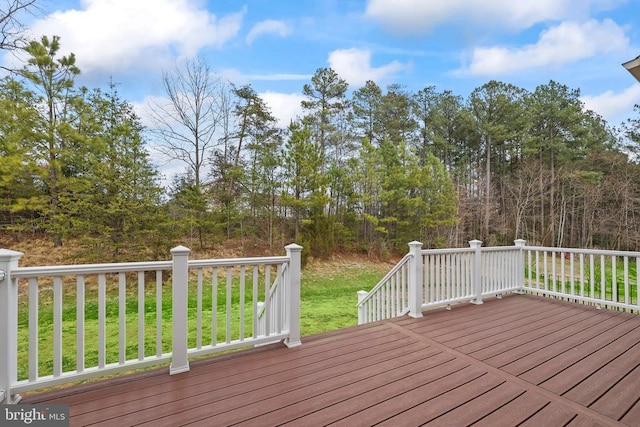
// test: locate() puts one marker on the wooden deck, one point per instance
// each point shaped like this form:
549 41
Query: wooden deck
521 360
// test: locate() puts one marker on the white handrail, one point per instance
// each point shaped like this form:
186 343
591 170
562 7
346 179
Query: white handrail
68 270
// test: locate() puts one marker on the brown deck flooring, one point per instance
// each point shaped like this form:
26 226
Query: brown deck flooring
521 360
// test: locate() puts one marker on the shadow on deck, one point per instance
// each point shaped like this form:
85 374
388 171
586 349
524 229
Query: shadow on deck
520 360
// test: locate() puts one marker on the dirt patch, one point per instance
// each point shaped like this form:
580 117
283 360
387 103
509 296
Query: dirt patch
40 252
328 267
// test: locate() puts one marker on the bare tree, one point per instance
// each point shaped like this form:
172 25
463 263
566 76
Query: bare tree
13 32
187 123
521 193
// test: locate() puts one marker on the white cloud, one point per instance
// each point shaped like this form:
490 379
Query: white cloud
277 77
419 16
613 106
112 35
269 26
565 43
354 65
284 106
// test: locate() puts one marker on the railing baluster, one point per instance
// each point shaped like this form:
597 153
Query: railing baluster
538 270
102 300
429 278
529 261
34 326
467 275
122 317
214 307
614 279
254 291
554 276
487 265
141 315
57 326
393 298
228 302
279 297
80 323
493 273
242 299
158 313
572 273
377 305
592 274
437 277
267 300
448 279
460 275
626 280
563 271
199 310
582 275
603 277
385 299
546 271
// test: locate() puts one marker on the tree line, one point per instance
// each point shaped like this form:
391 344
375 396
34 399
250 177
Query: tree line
366 170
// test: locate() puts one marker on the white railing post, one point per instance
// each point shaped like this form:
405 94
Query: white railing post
179 307
8 325
476 273
362 309
520 267
415 280
294 252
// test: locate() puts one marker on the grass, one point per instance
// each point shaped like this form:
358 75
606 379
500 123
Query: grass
328 302
329 295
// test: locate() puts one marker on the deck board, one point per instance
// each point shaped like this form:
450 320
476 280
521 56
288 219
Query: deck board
520 360
589 390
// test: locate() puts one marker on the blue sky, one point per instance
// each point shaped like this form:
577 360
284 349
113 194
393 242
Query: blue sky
276 45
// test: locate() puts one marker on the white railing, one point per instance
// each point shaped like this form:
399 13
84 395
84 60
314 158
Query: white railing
442 277
270 318
606 279
129 315
389 298
501 269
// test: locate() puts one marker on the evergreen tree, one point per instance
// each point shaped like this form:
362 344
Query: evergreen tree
394 117
497 110
305 187
20 186
52 78
325 99
365 104
120 179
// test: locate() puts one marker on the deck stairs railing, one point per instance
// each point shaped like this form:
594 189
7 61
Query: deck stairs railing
427 279
128 316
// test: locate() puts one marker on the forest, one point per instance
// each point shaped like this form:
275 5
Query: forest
365 170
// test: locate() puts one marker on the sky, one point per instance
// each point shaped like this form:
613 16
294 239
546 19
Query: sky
277 45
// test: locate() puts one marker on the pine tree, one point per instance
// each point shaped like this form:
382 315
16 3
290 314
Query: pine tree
20 188
52 79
